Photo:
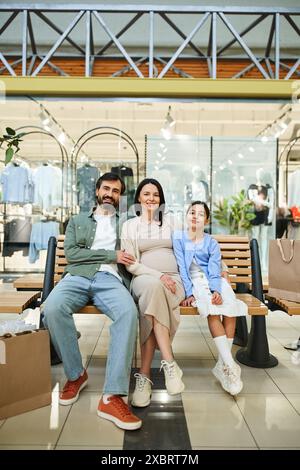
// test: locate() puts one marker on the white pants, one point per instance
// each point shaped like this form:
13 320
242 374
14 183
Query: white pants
231 306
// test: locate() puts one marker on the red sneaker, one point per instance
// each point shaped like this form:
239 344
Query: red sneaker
119 413
72 389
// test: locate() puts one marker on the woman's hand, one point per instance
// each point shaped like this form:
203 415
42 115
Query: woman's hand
188 301
168 283
216 298
125 258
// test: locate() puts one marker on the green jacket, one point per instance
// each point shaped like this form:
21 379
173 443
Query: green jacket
82 261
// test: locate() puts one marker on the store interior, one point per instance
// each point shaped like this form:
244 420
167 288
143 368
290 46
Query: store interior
210 150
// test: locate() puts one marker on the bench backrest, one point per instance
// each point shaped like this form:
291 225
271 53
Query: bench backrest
235 252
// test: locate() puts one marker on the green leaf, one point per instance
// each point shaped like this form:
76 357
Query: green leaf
8 155
10 131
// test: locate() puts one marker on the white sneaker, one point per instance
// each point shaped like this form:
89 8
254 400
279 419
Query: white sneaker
173 375
142 393
218 371
231 379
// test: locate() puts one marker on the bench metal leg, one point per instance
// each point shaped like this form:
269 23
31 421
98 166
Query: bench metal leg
241 329
257 352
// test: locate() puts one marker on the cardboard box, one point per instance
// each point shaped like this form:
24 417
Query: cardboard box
25 372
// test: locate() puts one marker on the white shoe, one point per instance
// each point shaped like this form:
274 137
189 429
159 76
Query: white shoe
232 379
173 375
218 371
142 393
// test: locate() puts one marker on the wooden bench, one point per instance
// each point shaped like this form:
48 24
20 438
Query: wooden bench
291 308
235 252
242 260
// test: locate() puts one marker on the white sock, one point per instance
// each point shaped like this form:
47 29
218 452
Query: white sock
230 343
106 396
224 350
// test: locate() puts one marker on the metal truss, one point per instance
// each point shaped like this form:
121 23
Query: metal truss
30 55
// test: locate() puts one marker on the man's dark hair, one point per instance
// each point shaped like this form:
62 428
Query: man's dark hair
196 203
162 202
111 177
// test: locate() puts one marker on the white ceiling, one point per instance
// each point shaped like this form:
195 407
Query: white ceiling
76 116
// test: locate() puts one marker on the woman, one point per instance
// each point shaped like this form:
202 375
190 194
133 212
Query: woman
156 285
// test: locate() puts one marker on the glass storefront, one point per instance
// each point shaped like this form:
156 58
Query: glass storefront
70 142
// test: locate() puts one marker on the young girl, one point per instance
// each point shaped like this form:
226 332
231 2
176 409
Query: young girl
199 260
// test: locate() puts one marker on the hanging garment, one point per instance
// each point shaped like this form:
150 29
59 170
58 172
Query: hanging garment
47 187
263 200
17 184
87 177
294 188
40 234
199 190
126 174
16 236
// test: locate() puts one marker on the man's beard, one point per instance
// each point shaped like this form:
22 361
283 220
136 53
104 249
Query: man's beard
107 203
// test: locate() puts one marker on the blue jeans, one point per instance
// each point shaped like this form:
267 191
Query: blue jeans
111 297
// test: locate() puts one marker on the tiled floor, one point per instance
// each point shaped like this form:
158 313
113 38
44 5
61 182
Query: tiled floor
266 415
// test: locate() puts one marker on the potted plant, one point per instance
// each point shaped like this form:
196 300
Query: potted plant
11 140
235 213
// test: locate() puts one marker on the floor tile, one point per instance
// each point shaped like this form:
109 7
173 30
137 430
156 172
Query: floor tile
286 376
25 447
294 399
84 428
257 381
215 420
89 447
37 427
271 419
191 346
96 373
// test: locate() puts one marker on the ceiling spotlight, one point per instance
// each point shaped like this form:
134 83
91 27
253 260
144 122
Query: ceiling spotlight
251 149
169 120
264 139
169 123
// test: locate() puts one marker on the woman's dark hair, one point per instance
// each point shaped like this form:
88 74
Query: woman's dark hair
111 177
158 215
196 203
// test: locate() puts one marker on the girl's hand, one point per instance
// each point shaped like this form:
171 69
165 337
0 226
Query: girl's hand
225 275
168 283
188 301
216 298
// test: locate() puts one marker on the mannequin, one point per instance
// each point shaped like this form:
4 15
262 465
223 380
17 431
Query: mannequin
262 195
199 186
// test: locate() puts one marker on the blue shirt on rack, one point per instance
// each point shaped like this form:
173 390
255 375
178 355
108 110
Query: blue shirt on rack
40 234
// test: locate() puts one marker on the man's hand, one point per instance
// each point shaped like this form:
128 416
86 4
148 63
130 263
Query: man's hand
168 283
125 258
188 301
216 298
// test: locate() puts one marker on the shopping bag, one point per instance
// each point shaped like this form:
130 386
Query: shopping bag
25 374
284 269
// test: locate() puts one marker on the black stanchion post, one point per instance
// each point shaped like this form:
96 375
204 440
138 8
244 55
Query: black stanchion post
257 352
47 288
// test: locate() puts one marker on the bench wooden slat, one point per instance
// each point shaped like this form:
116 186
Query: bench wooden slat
291 308
236 271
231 239
234 246
243 279
236 254
17 302
32 281
230 262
